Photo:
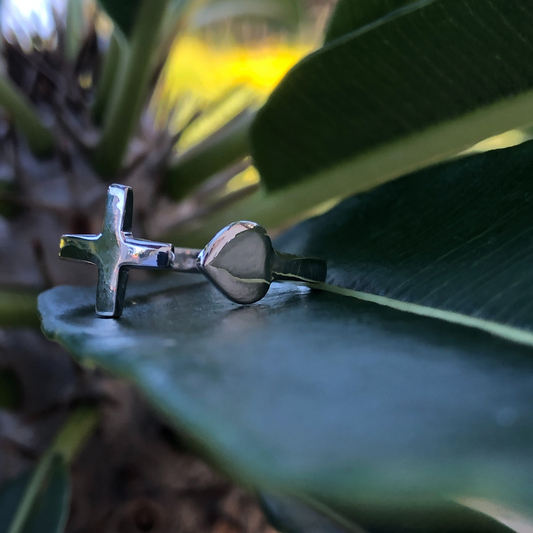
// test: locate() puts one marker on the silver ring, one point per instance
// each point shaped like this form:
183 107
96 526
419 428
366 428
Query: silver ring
240 260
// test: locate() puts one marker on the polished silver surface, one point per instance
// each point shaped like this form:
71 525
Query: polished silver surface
186 260
115 251
240 260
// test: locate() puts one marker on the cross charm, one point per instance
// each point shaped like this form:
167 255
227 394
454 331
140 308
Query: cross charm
115 251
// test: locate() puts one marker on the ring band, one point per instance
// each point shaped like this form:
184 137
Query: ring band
240 260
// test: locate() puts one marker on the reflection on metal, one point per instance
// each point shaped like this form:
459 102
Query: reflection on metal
240 260
115 251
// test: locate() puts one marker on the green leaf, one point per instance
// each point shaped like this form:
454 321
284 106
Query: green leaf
50 510
40 500
122 12
113 68
349 16
292 516
38 135
284 12
225 147
396 96
75 27
453 241
319 394
128 99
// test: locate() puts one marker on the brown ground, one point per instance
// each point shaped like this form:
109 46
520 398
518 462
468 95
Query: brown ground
134 475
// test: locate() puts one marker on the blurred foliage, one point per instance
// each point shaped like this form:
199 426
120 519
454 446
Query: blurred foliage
215 73
222 79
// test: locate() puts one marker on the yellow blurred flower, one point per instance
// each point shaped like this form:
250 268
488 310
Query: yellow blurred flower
207 71
221 80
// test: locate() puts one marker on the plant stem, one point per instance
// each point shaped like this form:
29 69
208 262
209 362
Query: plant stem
113 69
67 443
123 116
18 308
74 28
75 431
276 210
39 137
30 494
175 19
227 146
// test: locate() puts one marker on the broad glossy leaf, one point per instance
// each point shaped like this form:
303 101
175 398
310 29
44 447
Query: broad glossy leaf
316 393
50 512
292 516
397 95
456 237
350 16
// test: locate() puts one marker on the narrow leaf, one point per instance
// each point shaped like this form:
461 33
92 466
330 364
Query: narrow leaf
112 71
75 27
126 106
39 502
38 135
225 147
49 511
283 12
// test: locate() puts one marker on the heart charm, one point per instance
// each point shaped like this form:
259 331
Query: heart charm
238 262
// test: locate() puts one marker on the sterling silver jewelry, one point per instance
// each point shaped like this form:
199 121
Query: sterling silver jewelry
240 260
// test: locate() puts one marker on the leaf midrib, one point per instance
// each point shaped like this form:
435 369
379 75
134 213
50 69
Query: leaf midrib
509 333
